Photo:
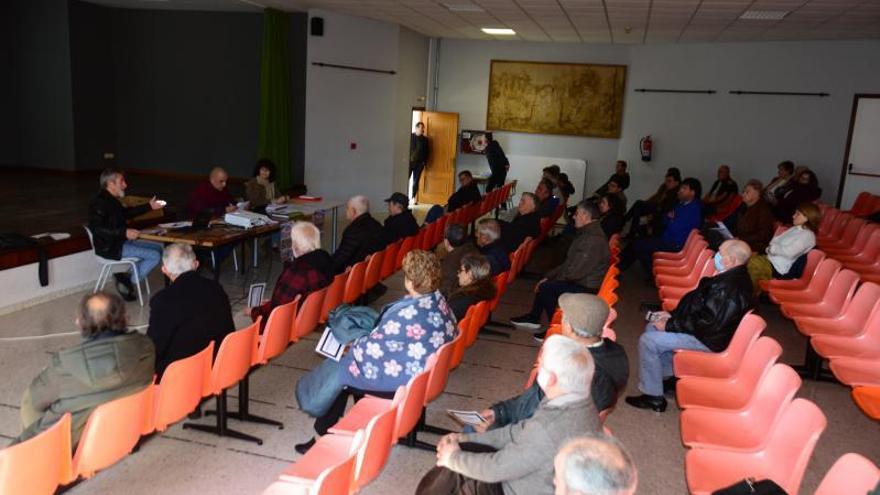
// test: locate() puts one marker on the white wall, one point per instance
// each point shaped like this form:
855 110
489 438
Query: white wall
67 274
411 82
693 132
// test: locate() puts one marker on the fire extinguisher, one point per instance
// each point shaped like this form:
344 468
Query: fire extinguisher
645 145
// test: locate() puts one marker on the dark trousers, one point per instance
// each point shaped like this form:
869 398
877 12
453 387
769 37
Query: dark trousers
443 481
547 298
639 209
643 249
496 180
337 410
415 169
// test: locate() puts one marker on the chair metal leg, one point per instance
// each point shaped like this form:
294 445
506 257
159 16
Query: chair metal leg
235 259
812 368
221 428
137 282
98 283
243 413
256 254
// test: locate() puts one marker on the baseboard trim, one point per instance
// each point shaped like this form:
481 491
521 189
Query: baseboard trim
50 296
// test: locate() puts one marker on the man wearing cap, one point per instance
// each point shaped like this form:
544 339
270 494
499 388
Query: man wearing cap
400 222
583 320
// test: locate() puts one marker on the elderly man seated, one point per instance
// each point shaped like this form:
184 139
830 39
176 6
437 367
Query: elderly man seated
468 192
582 271
211 194
400 222
491 246
583 320
526 223
109 363
519 457
363 236
189 313
704 320
595 464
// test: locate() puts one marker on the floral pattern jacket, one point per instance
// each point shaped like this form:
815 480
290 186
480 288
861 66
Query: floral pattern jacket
408 332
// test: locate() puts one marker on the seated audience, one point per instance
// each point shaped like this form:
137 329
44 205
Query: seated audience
456 246
547 203
755 224
655 207
785 248
261 189
490 245
211 194
108 364
564 188
112 239
400 222
594 465
408 332
582 271
363 236
468 193
804 189
310 269
583 321
620 177
779 184
704 320
474 285
721 191
678 223
518 457
526 223
188 314
611 212
614 189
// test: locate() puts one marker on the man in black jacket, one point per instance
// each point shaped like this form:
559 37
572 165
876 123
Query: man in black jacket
526 223
110 235
498 164
468 192
363 236
189 313
704 320
488 237
400 222
419 150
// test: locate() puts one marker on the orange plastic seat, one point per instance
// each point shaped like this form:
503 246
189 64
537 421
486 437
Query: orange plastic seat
111 432
722 364
868 400
480 316
833 302
405 246
672 275
829 220
863 345
693 236
817 286
275 337
746 429
671 295
814 257
735 391
308 315
858 244
364 410
835 230
336 479
389 259
461 341
333 297
846 238
851 473
231 365
856 372
862 204
373 272
38 465
354 286
783 459
867 255
183 385
428 237
851 321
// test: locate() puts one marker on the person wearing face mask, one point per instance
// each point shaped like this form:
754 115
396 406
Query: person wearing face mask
785 249
518 458
704 320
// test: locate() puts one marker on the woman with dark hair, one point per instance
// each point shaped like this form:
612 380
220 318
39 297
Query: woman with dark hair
612 210
474 284
804 189
785 248
778 185
261 188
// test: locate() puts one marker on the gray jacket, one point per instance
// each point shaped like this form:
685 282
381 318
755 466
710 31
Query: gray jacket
523 463
587 259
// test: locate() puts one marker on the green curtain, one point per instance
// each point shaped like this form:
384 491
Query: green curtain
275 95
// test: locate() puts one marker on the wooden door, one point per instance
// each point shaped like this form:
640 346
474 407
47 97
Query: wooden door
438 178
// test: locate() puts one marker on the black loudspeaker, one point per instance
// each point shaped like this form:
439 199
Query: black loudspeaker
317 26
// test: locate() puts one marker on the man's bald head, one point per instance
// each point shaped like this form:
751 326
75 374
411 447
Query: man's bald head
218 178
594 465
737 251
101 312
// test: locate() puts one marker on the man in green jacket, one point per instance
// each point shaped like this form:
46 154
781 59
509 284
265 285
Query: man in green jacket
518 459
110 363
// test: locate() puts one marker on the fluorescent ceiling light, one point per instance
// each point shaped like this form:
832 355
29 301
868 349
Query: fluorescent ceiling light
499 31
764 15
463 7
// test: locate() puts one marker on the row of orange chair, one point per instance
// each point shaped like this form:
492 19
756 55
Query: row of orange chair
866 204
851 240
676 274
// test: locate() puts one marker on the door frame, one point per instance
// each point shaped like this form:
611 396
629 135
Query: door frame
844 168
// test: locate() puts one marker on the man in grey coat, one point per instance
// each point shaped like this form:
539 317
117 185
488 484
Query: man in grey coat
582 271
518 459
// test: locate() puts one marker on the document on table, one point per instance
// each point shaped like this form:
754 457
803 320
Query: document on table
328 346
473 418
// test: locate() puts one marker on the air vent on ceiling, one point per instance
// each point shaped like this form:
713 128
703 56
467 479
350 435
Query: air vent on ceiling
764 15
463 7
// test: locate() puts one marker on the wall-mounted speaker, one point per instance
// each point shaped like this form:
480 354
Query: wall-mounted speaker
317 26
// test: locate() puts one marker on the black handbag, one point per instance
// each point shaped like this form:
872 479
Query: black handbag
750 486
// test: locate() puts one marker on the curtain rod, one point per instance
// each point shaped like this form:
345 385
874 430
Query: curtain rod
352 67
698 91
779 93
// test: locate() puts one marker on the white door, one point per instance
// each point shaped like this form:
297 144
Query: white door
862 169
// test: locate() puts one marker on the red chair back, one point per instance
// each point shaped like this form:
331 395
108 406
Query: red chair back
354 286
333 297
405 247
438 366
378 441
410 410
273 342
233 360
373 270
389 259
181 389
308 315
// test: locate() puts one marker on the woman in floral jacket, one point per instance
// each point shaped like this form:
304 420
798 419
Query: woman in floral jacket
407 333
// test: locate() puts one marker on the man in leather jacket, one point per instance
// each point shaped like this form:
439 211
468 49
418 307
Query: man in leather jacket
705 320
110 235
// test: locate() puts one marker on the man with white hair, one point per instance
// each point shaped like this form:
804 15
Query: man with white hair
309 270
519 458
189 313
595 465
704 320
526 223
363 236
491 246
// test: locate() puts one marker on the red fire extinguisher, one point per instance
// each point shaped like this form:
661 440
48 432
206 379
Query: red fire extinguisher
645 146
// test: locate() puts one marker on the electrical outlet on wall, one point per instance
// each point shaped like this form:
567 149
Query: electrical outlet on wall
109 156
352 145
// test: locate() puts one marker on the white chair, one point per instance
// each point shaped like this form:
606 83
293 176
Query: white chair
107 269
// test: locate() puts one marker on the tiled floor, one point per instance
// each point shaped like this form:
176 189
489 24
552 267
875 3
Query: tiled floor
188 462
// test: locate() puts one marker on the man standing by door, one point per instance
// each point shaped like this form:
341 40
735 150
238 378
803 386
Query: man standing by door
418 156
